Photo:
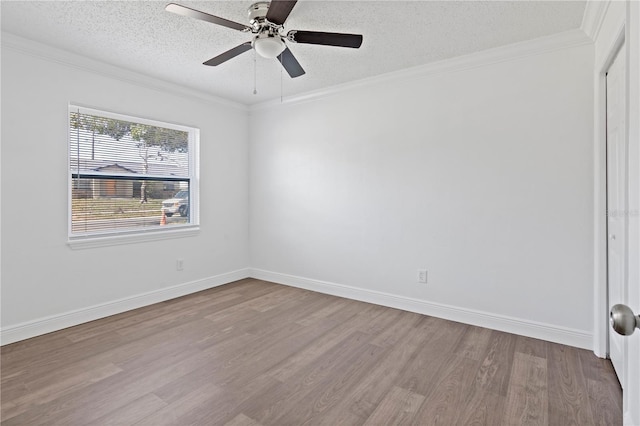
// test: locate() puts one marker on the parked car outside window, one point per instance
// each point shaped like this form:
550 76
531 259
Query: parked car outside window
179 204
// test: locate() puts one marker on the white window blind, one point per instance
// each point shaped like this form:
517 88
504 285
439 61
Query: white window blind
129 175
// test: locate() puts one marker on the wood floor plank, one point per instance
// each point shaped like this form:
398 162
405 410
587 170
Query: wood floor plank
473 343
152 349
57 387
233 400
262 303
328 393
289 312
356 407
131 413
568 395
379 319
176 317
296 392
37 361
396 331
121 322
527 398
210 366
32 348
98 399
482 407
242 420
449 392
338 310
495 369
184 410
397 408
311 354
426 365
10 398
260 354
530 346
196 301
602 397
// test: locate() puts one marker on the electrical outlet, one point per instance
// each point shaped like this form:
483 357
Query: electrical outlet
179 265
422 276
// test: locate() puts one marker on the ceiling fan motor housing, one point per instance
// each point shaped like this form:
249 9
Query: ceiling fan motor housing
258 11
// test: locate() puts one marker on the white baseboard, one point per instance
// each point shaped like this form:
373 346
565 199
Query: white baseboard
552 333
45 325
571 337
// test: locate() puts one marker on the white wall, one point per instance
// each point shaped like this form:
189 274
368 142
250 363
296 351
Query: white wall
483 176
41 275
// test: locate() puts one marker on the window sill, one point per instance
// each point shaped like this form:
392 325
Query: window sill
94 241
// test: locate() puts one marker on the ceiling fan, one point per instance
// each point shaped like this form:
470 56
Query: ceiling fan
266 21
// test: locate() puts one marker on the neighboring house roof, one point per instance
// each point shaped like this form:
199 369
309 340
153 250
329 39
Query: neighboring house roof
155 168
117 168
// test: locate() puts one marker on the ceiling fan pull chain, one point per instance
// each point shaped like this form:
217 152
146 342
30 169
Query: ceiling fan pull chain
255 73
281 68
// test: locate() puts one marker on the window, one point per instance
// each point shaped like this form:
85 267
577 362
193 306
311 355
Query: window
130 177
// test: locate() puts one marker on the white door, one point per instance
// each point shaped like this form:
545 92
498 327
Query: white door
616 203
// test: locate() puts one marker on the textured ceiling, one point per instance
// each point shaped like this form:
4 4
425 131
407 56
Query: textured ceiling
143 37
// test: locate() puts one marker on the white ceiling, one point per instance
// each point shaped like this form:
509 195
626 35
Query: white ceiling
143 37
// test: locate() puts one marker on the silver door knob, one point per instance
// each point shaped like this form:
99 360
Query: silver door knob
623 320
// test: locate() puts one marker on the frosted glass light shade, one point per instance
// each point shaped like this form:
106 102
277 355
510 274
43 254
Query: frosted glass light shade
269 47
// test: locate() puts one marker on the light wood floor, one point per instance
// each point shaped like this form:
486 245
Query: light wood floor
253 352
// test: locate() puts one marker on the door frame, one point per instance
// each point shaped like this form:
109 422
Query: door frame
601 304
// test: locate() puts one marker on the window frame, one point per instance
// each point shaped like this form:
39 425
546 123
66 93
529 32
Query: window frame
132 235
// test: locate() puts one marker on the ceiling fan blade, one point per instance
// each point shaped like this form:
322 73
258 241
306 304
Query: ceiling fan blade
290 63
229 54
279 10
327 39
192 13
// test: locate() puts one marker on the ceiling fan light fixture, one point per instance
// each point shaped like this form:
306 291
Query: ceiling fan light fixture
269 47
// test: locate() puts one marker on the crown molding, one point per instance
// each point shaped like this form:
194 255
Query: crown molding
593 17
594 14
552 43
64 57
